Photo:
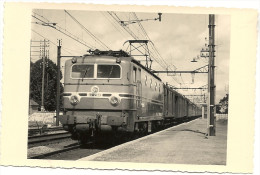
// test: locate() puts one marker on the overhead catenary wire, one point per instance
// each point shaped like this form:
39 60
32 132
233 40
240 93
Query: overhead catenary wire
41 16
63 48
51 41
90 34
146 35
117 19
63 31
160 62
126 28
114 25
155 54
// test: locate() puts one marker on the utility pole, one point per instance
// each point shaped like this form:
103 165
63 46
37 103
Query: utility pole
43 75
58 83
211 107
39 49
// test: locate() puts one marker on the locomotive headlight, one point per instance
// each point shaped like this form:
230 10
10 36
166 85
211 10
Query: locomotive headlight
74 100
114 100
74 60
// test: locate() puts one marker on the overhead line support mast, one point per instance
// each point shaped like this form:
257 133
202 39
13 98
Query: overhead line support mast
211 109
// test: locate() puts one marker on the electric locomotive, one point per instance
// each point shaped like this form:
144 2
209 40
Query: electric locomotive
111 92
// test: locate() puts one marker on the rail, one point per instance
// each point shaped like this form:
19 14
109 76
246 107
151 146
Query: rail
48 137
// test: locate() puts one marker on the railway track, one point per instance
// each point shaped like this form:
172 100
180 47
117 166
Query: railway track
41 129
70 152
47 138
42 156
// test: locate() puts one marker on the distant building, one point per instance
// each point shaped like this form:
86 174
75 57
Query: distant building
33 106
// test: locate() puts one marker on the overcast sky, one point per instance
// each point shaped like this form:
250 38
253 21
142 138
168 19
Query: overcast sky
178 38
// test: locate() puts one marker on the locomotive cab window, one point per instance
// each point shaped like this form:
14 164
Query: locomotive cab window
134 75
108 71
82 71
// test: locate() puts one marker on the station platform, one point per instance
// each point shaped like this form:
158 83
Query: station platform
186 143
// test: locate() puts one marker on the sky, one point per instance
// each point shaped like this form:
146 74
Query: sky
178 38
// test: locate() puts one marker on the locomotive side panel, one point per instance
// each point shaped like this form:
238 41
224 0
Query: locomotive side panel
150 95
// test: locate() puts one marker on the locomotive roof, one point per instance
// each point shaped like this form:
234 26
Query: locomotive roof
119 53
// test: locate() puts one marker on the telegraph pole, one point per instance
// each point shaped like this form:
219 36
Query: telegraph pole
43 75
58 83
211 107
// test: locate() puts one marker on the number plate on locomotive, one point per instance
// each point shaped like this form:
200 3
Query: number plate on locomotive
95 94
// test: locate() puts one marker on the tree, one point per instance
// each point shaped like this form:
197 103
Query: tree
222 108
50 84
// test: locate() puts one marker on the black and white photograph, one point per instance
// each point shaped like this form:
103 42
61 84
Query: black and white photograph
129 86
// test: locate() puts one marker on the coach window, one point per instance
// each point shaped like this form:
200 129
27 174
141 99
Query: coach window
145 80
108 71
82 71
151 83
155 86
134 74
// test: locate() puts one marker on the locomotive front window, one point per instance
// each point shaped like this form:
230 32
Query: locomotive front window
108 71
82 71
